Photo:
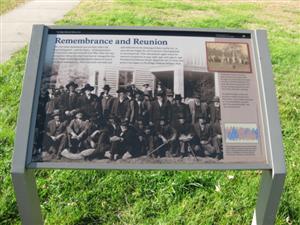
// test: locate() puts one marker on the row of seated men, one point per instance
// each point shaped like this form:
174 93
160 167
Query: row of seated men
133 122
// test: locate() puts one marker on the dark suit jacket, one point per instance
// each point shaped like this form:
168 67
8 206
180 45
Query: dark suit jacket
119 109
157 111
91 106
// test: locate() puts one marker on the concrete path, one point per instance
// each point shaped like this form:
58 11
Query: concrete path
16 25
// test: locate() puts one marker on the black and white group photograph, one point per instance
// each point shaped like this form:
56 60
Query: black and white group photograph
148 124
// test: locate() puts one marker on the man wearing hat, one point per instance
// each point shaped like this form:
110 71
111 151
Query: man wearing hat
147 90
120 105
166 135
70 100
55 139
169 103
214 109
77 131
106 100
199 108
132 111
158 109
185 136
160 89
180 108
89 103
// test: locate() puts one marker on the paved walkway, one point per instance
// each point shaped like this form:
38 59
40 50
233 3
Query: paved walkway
16 25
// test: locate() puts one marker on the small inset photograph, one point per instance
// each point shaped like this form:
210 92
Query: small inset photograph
228 57
241 133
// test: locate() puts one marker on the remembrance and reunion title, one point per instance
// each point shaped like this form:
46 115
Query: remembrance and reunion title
134 41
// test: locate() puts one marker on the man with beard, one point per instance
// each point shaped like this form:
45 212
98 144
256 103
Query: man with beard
89 103
203 132
185 137
164 139
106 101
120 105
180 108
77 131
55 138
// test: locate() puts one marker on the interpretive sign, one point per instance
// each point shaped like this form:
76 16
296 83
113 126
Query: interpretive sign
137 98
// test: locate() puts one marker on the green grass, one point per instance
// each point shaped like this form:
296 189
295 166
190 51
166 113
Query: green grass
165 197
6 5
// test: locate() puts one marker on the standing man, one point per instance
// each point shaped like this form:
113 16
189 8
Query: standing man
169 104
158 110
70 100
120 105
106 100
217 139
132 110
182 109
89 103
215 112
55 139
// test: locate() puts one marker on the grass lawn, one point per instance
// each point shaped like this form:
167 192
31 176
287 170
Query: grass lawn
165 197
6 5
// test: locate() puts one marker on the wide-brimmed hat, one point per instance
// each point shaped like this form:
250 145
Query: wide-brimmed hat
87 87
178 97
121 90
71 83
106 87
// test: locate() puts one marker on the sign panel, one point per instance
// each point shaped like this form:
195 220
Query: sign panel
149 98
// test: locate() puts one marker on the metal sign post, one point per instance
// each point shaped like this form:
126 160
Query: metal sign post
273 176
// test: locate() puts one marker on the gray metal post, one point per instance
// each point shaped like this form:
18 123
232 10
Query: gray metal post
23 178
268 198
27 198
272 181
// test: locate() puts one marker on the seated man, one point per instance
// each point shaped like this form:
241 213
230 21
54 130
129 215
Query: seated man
204 135
185 136
125 142
164 139
55 140
77 131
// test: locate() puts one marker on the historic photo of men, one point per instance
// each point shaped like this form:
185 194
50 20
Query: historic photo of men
228 57
143 125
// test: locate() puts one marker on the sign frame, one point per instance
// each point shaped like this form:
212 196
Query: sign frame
23 177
